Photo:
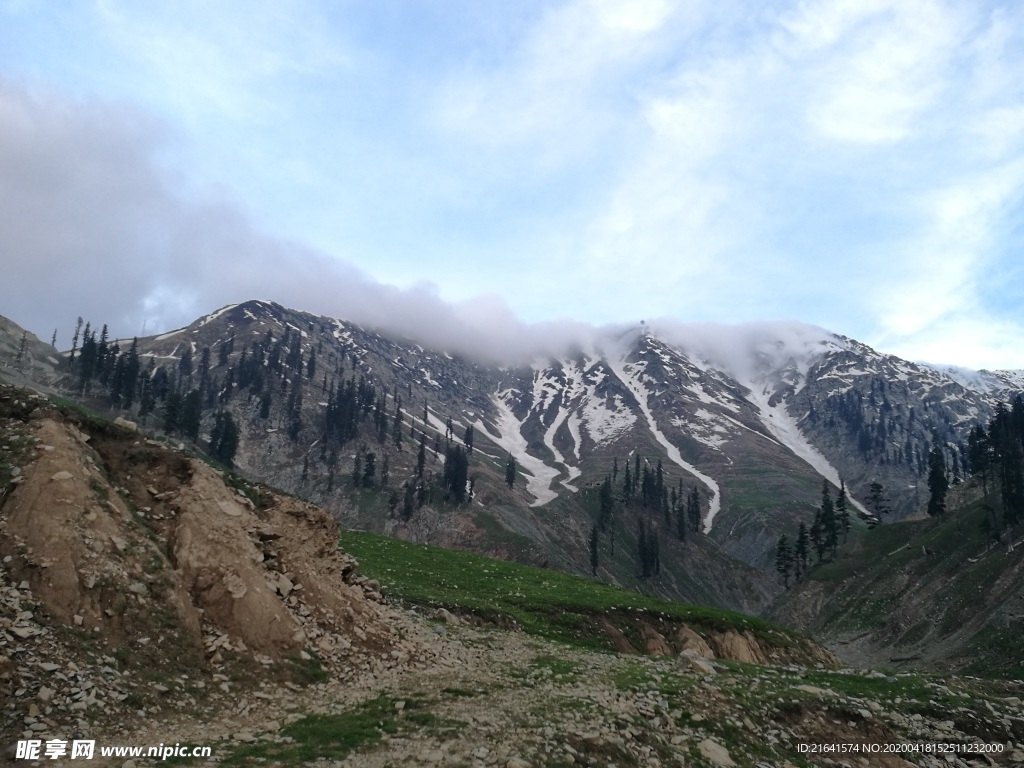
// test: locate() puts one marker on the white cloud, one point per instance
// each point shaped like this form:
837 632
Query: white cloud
962 225
853 163
219 60
632 15
966 340
878 66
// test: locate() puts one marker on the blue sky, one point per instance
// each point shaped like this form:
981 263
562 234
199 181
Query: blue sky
855 164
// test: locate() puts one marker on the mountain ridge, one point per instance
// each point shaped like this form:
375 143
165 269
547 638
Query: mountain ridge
755 428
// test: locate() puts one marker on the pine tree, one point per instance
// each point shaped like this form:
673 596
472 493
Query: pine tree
801 551
938 483
783 559
101 353
87 358
843 511
396 433
224 438
979 455
130 377
22 355
682 523
693 510
647 545
817 536
594 561
172 409
829 525
641 544
421 455
408 500
456 473
369 469
877 499
222 355
191 415
74 340
468 440
1012 483
510 471
606 502
184 362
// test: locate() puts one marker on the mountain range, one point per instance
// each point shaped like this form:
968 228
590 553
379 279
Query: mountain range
753 420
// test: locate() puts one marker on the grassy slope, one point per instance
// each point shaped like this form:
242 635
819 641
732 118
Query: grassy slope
544 602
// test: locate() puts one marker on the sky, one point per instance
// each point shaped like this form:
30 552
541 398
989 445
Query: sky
520 170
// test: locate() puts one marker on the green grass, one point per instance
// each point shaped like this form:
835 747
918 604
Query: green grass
542 602
89 415
332 737
631 675
553 665
502 536
996 651
306 672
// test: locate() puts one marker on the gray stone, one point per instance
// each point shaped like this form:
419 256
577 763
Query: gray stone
716 753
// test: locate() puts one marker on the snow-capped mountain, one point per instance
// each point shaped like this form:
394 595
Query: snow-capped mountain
754 418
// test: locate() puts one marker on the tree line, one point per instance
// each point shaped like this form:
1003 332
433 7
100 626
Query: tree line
655 505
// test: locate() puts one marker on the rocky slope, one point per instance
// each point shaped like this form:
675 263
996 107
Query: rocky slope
145 559
24 358
145 601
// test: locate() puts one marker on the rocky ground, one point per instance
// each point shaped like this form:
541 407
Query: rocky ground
146 600
454 694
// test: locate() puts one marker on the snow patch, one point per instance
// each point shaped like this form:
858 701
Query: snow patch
509 437
549 441
214 315
709 430
785 428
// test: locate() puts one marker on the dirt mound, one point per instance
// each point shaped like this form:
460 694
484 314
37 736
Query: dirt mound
111 530
738 647
124 540
688 640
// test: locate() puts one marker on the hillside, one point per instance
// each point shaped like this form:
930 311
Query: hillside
24 358
752 425
924 593
146 597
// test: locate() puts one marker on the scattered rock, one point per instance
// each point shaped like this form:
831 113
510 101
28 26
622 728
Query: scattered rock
716 753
